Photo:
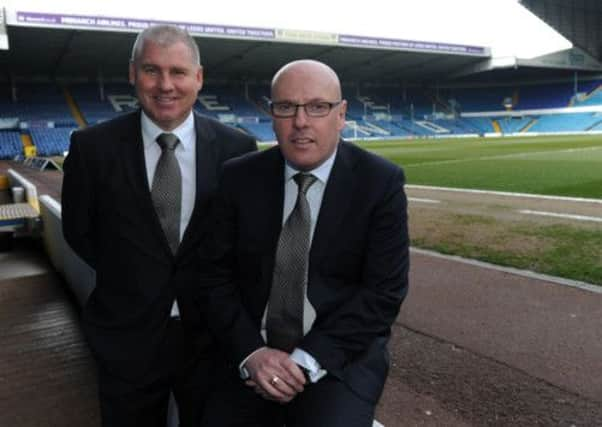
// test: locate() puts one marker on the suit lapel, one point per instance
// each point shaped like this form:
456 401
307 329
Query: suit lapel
335 202
206 177
131 151
268 214
273 198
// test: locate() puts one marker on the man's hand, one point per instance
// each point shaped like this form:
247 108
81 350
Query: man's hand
274 375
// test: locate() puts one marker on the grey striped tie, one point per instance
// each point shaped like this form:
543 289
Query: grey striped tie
284 320
166 190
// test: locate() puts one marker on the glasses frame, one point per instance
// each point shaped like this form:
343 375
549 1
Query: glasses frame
330 104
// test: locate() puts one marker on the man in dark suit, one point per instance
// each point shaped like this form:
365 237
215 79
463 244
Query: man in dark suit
316 220
135 196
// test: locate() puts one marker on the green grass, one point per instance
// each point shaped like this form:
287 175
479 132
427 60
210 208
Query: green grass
559 165
573 253
563 251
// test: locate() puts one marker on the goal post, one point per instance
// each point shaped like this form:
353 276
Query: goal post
352 124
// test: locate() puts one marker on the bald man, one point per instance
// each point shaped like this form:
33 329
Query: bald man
325 363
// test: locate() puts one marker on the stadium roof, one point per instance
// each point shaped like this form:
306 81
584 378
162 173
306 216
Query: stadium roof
74 44
70 52
578 20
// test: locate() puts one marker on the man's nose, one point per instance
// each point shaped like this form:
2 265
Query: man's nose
165 82
300 117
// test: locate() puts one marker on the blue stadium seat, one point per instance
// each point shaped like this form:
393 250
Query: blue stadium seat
262 131
10 144
51 141
574 122
513 124
385 111
118 98
39 103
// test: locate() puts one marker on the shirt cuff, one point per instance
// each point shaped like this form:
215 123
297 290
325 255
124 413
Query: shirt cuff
311 365
242 370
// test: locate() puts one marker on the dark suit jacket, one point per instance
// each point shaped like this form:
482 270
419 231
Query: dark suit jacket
358 266
109 220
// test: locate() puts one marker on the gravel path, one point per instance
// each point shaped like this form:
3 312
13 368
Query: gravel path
477 346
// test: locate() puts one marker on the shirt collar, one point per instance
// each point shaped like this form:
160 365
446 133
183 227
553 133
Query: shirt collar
322 172
184 132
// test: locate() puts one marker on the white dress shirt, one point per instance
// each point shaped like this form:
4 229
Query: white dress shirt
186 155
314 195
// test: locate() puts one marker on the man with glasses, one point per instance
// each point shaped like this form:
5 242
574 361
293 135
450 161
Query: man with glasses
307 267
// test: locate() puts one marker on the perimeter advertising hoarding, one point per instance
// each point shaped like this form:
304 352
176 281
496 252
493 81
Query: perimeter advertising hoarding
90 22
412 45
58 20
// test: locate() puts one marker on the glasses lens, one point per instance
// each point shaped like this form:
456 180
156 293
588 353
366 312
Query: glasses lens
313 109
317 109
283 109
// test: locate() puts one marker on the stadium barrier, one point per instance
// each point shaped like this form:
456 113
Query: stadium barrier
80 277
31 193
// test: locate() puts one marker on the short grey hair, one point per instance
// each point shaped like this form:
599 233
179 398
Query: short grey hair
164 35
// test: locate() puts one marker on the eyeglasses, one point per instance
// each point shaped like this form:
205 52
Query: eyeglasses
312 109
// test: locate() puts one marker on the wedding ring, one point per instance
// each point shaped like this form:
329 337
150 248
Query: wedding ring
274 380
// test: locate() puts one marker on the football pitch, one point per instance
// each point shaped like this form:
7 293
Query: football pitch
551 165
497 230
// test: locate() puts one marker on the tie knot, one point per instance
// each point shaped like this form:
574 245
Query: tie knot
304 181
167 141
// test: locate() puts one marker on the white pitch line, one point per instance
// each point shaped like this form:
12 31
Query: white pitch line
504 193
524 273
419 200
561 215
500 156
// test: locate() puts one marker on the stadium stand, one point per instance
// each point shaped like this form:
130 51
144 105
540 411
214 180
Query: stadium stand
392 127
232 99
51 141
513 124
10 144
480 124
38 102
373 111
565 122
262 131
594 97
116 98
479 98
597 126
545 96
354 130
523 97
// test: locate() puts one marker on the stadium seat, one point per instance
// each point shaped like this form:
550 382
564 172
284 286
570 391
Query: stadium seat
51 141
10 144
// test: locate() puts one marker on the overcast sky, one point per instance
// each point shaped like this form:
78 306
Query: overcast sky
503 25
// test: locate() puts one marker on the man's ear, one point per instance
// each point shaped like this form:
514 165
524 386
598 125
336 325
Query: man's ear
342 113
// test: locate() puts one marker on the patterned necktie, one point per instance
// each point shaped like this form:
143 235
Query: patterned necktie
166 190
284 321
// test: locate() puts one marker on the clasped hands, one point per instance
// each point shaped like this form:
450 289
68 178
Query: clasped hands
274 375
